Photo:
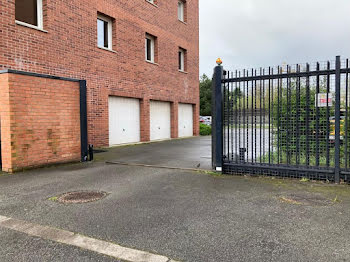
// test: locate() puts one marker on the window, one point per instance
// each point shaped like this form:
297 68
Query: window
29 12
151 48
181 9
182 59
104 32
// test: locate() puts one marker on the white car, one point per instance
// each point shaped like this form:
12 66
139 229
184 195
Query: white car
205 120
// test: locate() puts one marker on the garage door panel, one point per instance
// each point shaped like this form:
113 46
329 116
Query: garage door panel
160 120
185 120
124 120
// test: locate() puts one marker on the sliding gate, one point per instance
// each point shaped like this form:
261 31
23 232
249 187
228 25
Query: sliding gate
289 121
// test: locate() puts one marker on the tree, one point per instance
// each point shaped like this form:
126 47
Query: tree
205 91
205 87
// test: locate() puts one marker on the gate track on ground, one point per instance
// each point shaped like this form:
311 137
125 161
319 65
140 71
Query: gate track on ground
156 166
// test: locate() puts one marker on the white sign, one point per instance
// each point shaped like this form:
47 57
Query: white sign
321 100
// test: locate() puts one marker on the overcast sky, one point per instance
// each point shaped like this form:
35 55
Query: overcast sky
254 33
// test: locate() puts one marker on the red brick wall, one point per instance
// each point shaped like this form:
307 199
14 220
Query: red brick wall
5 123
69 49
40 121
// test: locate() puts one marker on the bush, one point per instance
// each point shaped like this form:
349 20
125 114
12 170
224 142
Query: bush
204 130
290 118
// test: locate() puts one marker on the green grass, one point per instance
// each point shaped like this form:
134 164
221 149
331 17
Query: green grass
53 198
300 159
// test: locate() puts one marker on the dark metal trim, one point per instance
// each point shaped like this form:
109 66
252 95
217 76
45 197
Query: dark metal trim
345 173
281 76
337 120
281 167
17 72
83 121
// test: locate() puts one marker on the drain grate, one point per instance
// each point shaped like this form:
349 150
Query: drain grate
80 197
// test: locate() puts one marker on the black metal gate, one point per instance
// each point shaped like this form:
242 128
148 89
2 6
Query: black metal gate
290 121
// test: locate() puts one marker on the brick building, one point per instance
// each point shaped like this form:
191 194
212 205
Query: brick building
139 59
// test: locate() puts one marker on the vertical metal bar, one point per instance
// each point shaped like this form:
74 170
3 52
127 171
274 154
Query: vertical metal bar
317 116
337 121
224 110
239 95
272 122
307 116
264 113
247 113
227 116
297 153
252 130
244 111
346 115
234 96
270 115
288 116
230 117
255 145
278 117
260 117
217 120
232 137
327 117
83 121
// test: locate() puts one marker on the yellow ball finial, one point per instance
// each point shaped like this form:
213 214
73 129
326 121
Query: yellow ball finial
219 61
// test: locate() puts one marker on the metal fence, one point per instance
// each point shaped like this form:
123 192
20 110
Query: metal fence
290 121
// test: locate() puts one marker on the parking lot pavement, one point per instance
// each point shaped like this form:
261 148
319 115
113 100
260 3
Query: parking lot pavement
186 216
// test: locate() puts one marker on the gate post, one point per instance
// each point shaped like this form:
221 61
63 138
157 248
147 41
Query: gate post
217 119
337 121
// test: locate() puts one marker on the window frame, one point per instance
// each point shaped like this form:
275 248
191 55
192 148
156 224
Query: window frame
153 43
181 10
40 17
109 22
182 58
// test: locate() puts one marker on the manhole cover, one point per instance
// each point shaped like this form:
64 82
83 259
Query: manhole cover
81 197
305 199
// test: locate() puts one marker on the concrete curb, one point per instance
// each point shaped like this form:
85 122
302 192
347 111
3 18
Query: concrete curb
88 243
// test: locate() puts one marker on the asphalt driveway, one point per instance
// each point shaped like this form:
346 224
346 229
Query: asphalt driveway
183 153
184 215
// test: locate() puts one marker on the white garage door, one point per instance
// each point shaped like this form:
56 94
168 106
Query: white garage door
160 120
124 120
185 120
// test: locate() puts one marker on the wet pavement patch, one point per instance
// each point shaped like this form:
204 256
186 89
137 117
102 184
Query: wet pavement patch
80 197
307 199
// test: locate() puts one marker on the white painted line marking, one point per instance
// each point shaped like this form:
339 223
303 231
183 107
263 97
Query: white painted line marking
88 243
